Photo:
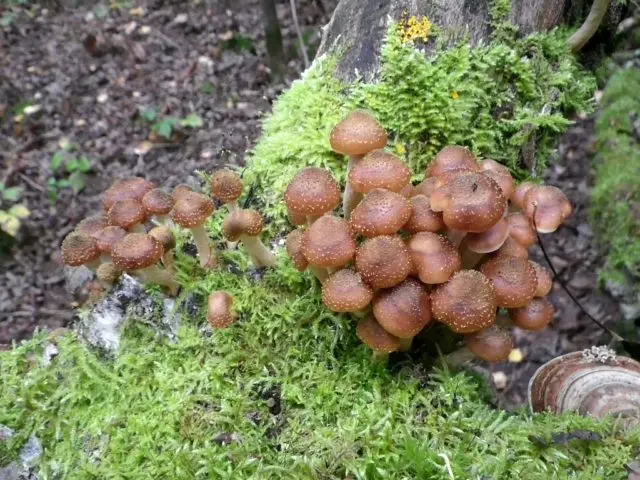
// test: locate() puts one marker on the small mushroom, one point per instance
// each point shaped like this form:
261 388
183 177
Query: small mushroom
452 157
492 344
466 303
227 186
220 312
514 280
139 253
382 212
128 214
108 274
513 248
355 136
312 193
80 249
379 169
128 189
474 246
435 258
500 174
544 279
371 333
246 226
191 210
294 249
535 315
517 198
547 206
107 239
383 261
179 190
164 235
403 310
422 218
92 224
521 229
426 187
296 219
329 243
157 203
345 291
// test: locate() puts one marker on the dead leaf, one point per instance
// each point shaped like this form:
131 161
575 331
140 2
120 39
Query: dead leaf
136 12
138 52
143 148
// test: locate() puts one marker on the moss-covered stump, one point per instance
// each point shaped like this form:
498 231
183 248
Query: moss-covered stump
288 391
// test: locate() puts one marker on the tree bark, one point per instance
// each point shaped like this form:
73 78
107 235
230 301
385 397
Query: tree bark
358 27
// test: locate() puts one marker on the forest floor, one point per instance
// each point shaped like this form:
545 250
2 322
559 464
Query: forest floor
108 81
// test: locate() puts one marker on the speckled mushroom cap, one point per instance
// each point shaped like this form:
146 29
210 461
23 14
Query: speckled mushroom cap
242 222
513 278
425 187
107 238
92 224
226 185
220 312
466 303
313 191
79 249
180 189
108 273
157 202
500 174
128 189
470 202
517 198
136 251
294 249
381 212
383 261
422 218
126 213
403 310
165 236
492 344
371 333
357 135
328 242
513 248
379 169
191 209
434 257
544 279
535 316
521 229
550 205
344 291
406 191
488 241
452 157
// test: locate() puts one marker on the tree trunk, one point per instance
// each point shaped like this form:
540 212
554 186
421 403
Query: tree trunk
358 27
273 38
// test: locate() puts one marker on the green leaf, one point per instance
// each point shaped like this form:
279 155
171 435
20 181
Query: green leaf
84 164
12 194
19 211
10 225
193 120
57 160
207 88
72 165
64 183
149 114
6 19
77 181
164 127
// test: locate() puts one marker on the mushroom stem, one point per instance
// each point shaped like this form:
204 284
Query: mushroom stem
161 277
167 261
311 219
320 273
260 255
138 228
105 258
201 239
405 344
232 206
379 357
456 236
93 265
469 258
350 198
458 357
160 219
589 27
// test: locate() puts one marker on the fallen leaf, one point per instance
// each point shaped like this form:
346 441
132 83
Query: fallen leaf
136 12
143 148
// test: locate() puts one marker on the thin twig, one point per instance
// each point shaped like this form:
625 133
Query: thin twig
30 182
303 49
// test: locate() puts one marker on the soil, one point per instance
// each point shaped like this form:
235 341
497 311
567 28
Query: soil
92 74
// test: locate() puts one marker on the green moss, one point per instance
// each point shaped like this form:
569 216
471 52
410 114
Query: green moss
615 207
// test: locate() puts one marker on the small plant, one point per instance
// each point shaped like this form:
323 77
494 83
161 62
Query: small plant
69 171
166 126
11 213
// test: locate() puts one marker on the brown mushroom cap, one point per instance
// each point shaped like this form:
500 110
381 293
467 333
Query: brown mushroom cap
79 249
157 202
452 157
379 169
513 278
92 224
328 242
165 236
470 202
344 291
550 205
434 257
191 209
403 310
294 249
226 185
220 312
425 187
488 241
544 278
517 198
108 273
466 303
107 238
422 218
312 192
513 248
500 174
406 191
136 251
535 316
127 213
371 333
357 134
128 189
242 222
383 261
521 229
180 189
381 212
492 344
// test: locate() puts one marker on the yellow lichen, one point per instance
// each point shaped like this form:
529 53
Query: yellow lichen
413 28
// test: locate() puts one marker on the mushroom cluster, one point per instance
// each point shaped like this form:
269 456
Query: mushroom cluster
118 238
452 249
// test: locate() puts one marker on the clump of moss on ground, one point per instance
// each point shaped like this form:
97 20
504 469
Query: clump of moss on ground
615 209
